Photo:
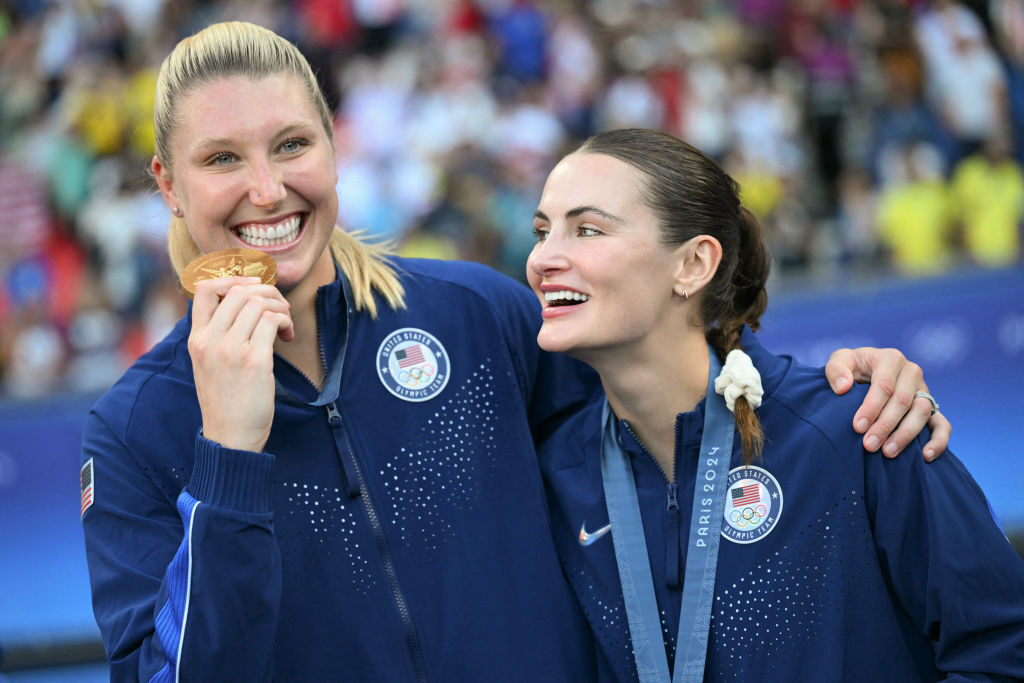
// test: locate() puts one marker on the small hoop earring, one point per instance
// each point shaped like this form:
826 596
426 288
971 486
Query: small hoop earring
686 295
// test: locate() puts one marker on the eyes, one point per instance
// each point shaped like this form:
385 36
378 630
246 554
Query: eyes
221 159
289 148
292 145
541 233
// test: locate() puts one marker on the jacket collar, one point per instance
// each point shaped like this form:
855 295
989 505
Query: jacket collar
690 425
334 312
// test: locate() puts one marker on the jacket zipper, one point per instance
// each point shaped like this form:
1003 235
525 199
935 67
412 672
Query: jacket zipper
672 537
352 483
672 522
412 641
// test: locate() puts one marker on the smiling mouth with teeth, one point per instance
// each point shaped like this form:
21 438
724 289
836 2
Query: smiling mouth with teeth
270 235
565 297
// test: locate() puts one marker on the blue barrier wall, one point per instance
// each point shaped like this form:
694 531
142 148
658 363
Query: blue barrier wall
42 555
967 330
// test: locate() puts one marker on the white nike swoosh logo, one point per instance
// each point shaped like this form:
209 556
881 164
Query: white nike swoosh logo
587 538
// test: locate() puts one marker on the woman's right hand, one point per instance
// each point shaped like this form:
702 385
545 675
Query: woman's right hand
235 321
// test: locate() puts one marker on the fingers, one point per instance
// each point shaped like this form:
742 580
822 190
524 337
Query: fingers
890 416
242 310
941 431
882 367
919 415
231 307
901 418
839 370
270 325
911 425
234 325
209 294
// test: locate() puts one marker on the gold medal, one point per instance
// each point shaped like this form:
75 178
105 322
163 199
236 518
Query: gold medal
226 263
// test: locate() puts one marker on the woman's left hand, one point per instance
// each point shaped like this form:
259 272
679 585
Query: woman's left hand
890 416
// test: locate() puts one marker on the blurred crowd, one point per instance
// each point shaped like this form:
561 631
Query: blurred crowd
869 136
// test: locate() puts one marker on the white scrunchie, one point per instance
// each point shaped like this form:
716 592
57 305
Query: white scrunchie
738 378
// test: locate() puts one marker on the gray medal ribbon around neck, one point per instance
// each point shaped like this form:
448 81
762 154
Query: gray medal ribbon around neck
702 547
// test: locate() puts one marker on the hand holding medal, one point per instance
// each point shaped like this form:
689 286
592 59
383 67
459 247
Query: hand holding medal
237 315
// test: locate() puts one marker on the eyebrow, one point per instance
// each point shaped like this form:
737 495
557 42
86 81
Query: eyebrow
579 211
290 129
212 142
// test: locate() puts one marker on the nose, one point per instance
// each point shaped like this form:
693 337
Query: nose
548 256
266 186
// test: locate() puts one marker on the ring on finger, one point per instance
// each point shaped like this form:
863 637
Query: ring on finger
931 399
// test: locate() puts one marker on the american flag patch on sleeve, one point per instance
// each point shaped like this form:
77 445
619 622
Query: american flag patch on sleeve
88 486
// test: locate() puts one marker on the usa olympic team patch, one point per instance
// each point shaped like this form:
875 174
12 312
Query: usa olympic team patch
753 504
413 365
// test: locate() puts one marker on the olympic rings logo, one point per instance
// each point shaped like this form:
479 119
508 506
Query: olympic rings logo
417 376
413 364
748 516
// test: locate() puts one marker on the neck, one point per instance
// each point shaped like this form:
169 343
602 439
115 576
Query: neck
649 388
303 351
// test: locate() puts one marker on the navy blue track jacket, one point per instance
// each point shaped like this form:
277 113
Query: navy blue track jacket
836 564
394 532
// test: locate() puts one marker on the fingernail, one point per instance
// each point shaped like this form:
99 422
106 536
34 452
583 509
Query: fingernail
890 448
862 424
872 443
842 383
929 453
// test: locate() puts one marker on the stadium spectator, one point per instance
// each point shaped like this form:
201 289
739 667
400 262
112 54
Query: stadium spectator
416 86
915 216
965 78
988 197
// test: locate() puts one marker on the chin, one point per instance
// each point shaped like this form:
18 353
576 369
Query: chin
554 344
288 276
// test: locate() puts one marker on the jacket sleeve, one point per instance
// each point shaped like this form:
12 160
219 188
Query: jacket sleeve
185 589
950 565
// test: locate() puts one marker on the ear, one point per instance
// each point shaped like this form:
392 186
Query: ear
697 262
164 182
